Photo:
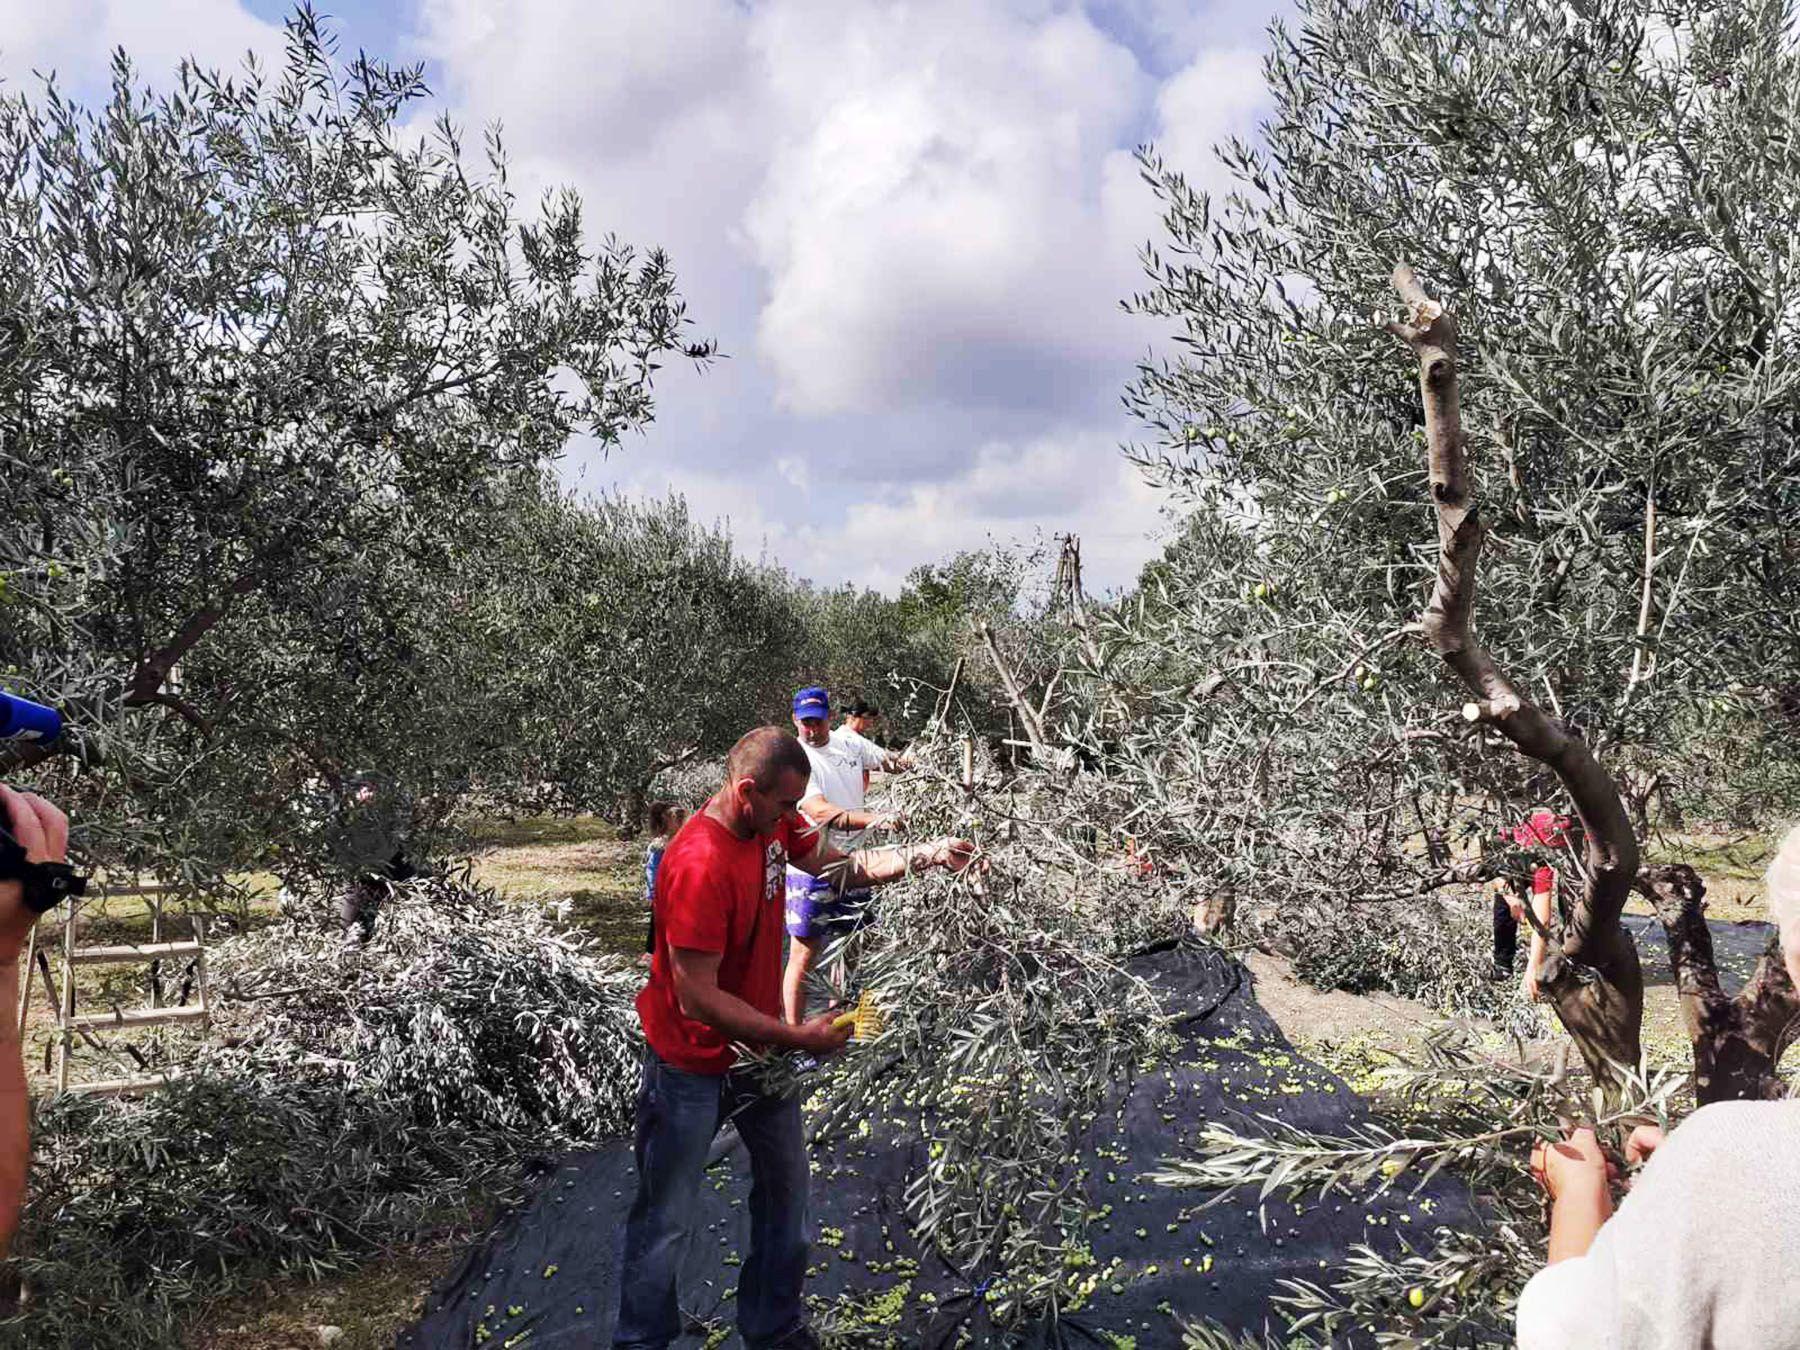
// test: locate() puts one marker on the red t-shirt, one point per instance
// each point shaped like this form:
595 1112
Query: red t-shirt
718 893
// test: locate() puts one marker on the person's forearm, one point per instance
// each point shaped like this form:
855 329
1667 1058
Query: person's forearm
729 1014
1575 1218
823 813
878 866
1540 906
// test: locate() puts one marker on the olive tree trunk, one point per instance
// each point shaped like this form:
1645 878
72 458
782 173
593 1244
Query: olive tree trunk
1738 1042
1590 974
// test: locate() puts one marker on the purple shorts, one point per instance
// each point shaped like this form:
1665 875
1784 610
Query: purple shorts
815 910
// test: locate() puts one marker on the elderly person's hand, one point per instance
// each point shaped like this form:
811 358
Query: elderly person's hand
1575 1172
1644 1141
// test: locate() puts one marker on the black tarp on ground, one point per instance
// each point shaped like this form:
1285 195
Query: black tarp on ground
545 1277
1736 946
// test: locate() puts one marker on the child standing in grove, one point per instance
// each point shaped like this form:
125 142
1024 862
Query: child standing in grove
665 819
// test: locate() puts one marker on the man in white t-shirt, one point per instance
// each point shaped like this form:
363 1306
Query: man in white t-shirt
819 908
859 720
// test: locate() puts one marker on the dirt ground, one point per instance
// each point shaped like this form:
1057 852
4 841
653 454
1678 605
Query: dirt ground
1309 1016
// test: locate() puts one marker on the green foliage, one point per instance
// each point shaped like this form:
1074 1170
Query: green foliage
899 652
1460 1108
1009 1017
1431 951
267 354
640 641
1587 189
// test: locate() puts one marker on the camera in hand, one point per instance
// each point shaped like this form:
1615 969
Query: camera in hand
45 884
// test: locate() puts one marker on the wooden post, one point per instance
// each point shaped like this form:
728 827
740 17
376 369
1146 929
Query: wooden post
968 758
68 997
200 962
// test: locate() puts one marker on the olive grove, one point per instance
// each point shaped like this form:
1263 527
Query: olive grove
269 361
1540 550
1481 421
1540 553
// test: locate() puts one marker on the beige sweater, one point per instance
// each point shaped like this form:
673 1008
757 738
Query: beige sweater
1704 1253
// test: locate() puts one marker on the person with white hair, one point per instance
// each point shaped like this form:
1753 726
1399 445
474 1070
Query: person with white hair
1702 1251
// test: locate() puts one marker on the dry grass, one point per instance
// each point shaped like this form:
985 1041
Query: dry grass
579 861
114 920
370 1307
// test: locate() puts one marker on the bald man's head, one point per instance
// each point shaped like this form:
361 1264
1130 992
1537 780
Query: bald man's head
764 755
765 777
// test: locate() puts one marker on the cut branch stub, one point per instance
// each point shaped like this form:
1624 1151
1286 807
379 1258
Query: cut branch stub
1430 330
1592 978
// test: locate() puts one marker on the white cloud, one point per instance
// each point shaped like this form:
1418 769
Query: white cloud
1217 95
1068 480
909 223
1062 482
932 214
74 38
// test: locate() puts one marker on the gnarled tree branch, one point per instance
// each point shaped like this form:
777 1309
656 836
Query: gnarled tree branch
1592 977
1028 715
1738 1042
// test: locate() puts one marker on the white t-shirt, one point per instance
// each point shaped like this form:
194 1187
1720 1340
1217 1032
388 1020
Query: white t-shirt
837 776
1701 1253
873 755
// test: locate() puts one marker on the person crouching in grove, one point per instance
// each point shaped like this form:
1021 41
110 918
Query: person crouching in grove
715 982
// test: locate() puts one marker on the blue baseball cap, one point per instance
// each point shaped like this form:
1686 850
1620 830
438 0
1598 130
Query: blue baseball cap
812 701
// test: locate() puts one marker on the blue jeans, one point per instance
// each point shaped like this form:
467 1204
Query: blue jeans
678 1114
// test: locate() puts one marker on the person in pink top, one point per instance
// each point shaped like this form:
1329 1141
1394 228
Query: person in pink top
1539 833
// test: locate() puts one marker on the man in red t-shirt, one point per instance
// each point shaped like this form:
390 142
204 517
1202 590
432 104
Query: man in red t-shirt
715 981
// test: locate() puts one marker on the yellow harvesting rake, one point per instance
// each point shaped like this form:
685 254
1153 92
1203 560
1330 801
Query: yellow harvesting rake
866 1017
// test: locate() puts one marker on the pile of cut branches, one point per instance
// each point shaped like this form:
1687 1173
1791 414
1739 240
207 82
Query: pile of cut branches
359 1098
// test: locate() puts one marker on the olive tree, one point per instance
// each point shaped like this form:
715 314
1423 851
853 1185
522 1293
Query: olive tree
641 642
904 652
259 337
1595 190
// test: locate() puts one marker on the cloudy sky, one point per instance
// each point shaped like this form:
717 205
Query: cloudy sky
908 223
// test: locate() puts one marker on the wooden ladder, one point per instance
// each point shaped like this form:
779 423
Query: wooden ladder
72 1024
